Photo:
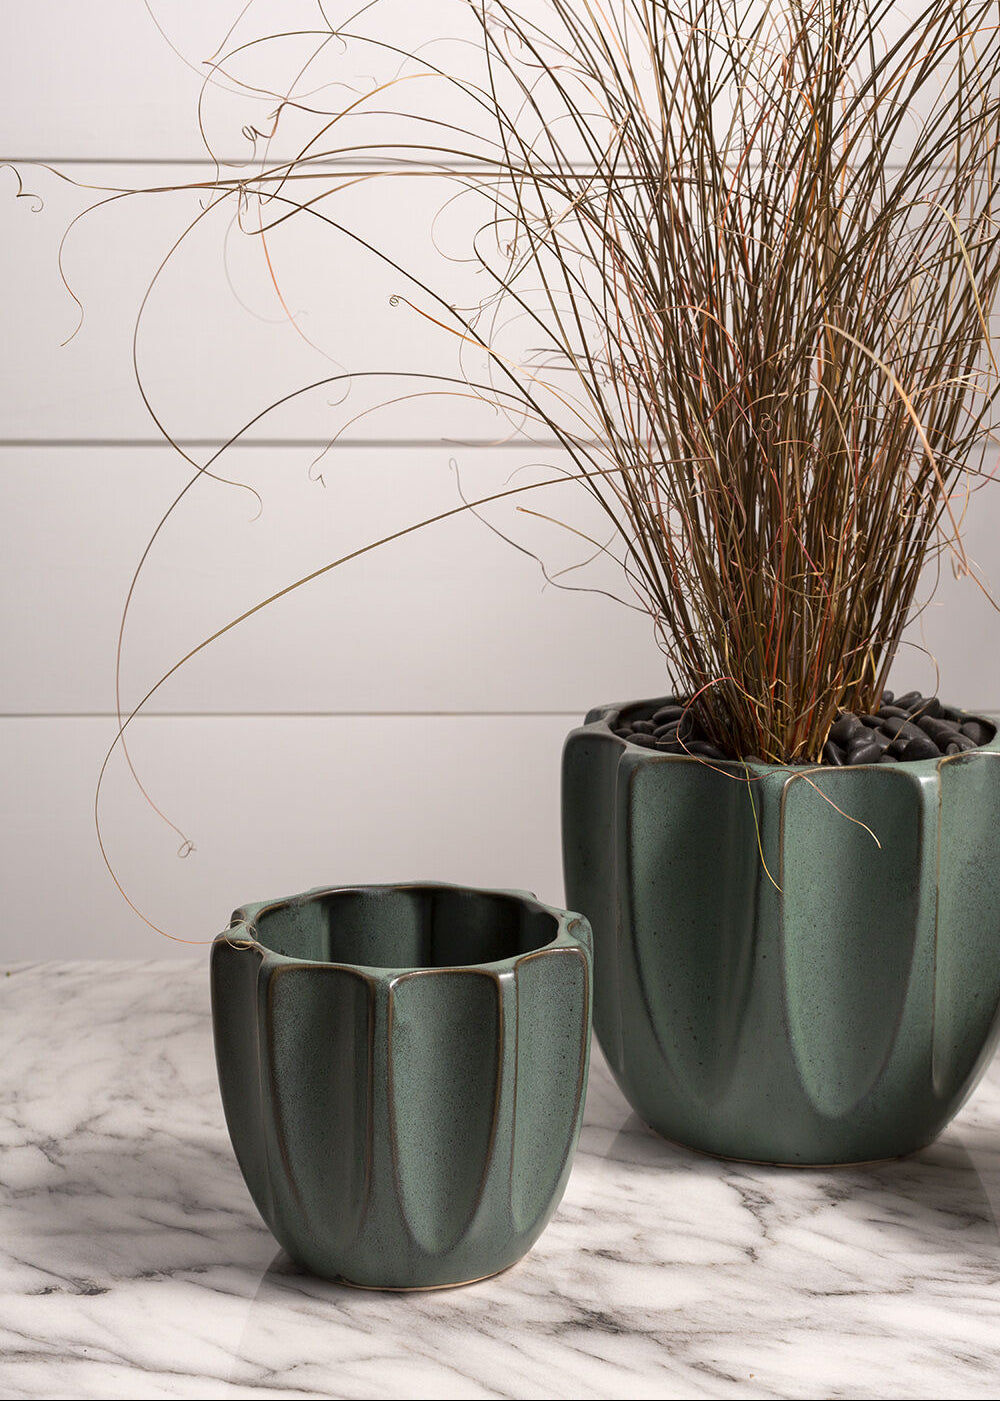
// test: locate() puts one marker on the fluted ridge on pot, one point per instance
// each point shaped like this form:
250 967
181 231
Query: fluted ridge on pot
404 1126
770 982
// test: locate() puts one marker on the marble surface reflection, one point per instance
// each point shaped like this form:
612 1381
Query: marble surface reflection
133 1264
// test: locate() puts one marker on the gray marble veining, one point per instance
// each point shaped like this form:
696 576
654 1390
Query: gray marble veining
133 1264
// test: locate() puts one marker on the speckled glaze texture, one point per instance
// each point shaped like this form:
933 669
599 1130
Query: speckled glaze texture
844 1017
403 1072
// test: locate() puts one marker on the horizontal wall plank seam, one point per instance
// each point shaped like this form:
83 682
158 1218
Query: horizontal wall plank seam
354 444
290 442
294 714
381 164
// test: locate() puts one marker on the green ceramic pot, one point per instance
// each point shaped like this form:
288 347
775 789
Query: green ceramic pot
844 1017
403 1072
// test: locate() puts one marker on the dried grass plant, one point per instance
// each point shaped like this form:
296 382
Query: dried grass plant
756 250
763 337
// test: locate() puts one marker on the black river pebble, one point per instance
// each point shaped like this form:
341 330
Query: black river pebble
977 731
867 753
921 747
666 713
937 729
844 728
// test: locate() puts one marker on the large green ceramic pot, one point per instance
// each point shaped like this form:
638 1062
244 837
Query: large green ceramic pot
403 1072
769 983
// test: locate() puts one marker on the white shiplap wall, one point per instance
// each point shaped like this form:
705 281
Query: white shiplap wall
401 717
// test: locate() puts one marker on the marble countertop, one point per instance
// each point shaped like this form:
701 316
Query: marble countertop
133 1264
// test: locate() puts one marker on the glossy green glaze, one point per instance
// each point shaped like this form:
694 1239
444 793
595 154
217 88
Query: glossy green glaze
841 1018
403 1072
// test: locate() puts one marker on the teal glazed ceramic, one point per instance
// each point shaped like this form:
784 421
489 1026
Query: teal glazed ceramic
844 1017
403 1072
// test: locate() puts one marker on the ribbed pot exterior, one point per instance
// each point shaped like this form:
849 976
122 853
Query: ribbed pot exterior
403 1128
770 983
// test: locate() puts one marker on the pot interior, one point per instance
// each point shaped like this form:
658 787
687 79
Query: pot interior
405 927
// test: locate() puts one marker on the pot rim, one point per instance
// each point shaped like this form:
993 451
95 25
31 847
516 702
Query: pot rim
572 930
600 719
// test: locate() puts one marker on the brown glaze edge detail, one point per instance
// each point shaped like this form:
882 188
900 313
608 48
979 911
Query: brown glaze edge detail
242 916
274 969
632 772
900 771
422 1288
968 756
584 1041
771 1162
474 970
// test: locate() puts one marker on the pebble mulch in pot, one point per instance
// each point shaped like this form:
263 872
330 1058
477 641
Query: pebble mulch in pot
904 729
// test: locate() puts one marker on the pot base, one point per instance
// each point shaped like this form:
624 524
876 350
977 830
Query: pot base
420 1288
770 1162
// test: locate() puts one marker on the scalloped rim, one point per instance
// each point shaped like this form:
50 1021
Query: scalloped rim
572 929
599 718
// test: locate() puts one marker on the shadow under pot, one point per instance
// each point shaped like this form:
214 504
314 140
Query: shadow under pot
771 982
403 1072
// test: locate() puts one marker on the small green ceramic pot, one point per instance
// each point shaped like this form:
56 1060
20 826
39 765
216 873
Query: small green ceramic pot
770 983
403 1072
